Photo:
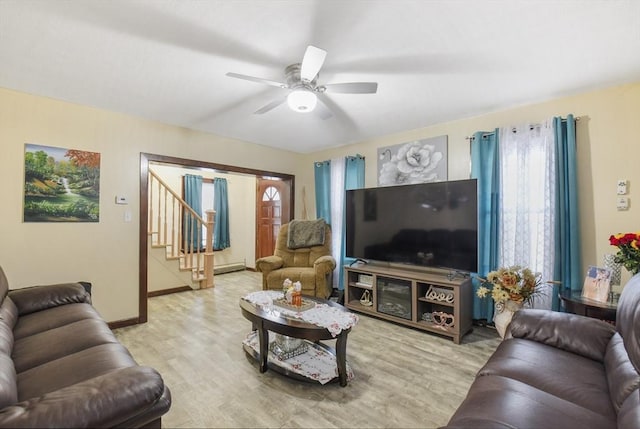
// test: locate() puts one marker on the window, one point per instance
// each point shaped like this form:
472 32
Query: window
527 203
207 196
271 194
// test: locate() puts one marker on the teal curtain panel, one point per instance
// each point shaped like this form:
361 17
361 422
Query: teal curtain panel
221 237
567 266
485 168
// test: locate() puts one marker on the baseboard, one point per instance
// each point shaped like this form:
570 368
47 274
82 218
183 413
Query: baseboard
228 268
168 291
123 323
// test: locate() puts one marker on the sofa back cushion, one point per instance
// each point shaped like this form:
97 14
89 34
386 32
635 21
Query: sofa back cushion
4 285
8 318
622 377
628 319
8 378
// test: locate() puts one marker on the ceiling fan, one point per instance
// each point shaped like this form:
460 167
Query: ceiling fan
302 81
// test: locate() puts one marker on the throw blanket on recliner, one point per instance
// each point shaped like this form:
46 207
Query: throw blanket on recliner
306 233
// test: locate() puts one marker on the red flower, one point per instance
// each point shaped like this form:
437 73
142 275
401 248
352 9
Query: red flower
628 255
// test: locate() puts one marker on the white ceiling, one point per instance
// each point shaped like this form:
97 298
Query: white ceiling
434 61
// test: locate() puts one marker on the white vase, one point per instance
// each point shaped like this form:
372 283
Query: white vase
504 314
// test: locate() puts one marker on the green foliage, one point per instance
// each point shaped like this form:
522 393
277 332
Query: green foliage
38 165
37 187
77 209
88 192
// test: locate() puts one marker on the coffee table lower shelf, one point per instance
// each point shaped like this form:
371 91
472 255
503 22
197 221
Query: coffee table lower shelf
317 364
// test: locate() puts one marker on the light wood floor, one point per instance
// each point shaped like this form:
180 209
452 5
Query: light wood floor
403 377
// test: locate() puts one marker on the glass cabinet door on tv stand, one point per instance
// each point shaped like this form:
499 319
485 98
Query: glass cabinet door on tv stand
430 301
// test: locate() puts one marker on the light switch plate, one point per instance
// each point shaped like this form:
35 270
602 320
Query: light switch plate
622 187
623 203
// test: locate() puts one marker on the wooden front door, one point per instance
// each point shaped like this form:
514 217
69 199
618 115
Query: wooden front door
273 202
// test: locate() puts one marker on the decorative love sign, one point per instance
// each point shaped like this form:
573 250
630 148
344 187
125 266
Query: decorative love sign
442 319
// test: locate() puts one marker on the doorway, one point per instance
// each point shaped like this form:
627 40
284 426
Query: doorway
287 210
272 211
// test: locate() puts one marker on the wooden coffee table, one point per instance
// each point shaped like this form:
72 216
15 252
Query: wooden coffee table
265 320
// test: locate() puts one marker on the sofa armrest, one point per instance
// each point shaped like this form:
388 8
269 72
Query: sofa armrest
581 335
324 264
126 397
269 263
37 298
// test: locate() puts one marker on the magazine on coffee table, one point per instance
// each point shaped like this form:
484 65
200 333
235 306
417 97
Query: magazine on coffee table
597 284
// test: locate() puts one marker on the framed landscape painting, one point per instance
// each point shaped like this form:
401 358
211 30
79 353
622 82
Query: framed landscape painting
61 185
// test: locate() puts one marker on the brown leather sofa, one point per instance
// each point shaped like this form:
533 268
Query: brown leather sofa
559 370
311 266
61 366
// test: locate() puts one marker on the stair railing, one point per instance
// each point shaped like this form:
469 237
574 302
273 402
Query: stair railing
173 224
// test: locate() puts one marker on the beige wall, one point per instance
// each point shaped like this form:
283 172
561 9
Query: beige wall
104 253
608 135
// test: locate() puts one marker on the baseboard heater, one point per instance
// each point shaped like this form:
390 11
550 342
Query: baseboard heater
229 268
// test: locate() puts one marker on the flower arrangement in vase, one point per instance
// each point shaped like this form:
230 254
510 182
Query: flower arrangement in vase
628 255
510 288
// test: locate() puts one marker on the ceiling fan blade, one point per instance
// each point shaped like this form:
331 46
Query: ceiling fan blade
353 87
312 62
257 79
322 110
270 106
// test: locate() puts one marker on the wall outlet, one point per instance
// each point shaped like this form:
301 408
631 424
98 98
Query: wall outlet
623 203
622 187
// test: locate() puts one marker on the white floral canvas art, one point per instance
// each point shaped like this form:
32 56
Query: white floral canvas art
413 162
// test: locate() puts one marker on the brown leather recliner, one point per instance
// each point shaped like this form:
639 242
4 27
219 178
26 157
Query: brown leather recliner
311 266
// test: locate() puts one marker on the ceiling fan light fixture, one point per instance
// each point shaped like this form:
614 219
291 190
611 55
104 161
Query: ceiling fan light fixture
302 100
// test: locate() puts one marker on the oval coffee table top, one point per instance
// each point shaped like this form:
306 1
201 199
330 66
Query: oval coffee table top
279 319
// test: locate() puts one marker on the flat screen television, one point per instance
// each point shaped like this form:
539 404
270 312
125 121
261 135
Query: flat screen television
427 225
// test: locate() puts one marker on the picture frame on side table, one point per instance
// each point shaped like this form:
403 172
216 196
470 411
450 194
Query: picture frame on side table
597 284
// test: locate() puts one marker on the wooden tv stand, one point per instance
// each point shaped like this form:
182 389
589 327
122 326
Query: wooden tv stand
424 300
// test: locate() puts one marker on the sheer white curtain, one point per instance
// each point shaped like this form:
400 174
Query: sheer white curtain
337 210
527 204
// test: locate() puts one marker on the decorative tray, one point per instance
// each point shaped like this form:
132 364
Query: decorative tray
306 304
282 354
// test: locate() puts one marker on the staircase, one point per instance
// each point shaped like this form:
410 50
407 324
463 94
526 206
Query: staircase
174 226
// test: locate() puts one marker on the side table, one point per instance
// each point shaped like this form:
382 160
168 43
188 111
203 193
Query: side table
573 302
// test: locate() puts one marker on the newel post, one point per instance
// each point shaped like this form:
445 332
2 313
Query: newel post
208 251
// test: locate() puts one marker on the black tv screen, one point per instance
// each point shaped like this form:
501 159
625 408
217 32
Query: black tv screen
429 224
